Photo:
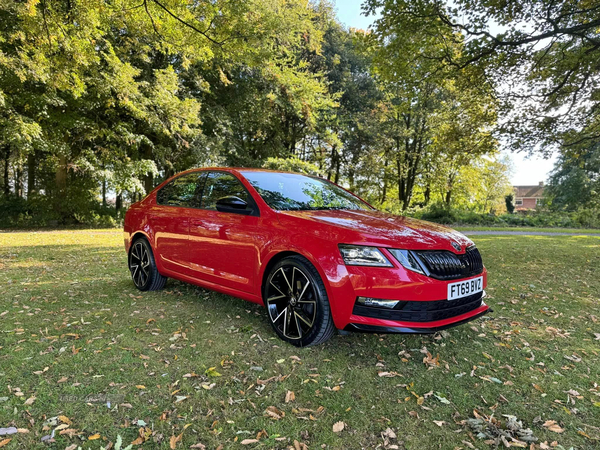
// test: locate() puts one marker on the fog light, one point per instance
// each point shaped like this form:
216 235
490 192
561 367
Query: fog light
377 302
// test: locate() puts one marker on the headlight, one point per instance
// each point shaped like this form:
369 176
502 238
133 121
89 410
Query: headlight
407 259
359 255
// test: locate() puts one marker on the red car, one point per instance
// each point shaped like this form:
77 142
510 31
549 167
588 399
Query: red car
316 256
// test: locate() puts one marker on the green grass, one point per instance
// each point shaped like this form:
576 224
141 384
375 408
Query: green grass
551 230
74 333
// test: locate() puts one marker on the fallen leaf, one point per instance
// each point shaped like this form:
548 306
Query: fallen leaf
65 419
4 442
30 400
140 386
389 433
338 427
63 379
249 441
274 413
211 372
290 396
552 425
198 445
93 437
439 423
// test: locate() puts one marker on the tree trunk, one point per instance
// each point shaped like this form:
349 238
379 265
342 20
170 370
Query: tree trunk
148 183
448 196
336 179
19 181
427 195
104 193
60 179
385 181
31 166
6 171
119 202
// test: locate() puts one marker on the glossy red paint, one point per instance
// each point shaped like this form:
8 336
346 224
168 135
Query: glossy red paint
230 253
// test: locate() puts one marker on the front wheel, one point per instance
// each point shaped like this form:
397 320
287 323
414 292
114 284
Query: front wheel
297 303
143 269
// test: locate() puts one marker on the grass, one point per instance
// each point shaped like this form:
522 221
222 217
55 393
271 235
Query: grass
528 229
75 334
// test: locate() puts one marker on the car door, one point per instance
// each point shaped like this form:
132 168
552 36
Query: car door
224 244
169 219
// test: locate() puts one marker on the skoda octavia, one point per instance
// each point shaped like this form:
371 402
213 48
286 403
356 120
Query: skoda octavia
316 256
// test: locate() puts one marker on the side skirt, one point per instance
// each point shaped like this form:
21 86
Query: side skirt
214 287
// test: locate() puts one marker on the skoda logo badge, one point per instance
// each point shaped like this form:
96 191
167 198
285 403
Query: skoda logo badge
456 246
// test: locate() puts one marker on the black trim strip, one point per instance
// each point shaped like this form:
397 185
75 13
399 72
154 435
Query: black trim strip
410 330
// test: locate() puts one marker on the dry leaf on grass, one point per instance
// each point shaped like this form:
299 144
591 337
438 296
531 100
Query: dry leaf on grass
4 442
338 427
290 396
553 426
30 400
249 441
65 419
274 413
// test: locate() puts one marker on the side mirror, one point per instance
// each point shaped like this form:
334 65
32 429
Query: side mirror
233 204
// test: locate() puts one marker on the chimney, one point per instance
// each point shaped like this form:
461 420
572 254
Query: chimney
541 184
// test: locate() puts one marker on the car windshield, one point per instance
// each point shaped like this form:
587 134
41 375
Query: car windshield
294 192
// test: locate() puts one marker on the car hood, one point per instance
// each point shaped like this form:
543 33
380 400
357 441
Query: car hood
375 228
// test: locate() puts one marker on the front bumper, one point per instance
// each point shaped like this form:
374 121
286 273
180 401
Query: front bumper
420 327
426 309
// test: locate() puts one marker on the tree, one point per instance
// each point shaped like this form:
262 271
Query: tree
509 201
103 96
541 55
575 180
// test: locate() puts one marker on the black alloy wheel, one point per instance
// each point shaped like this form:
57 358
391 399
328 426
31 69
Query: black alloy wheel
143 269
297 303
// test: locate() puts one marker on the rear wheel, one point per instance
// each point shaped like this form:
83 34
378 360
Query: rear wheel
143 269
297 303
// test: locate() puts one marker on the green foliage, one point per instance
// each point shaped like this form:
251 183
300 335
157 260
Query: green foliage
293 164
440 213
575 180
510 203
540 55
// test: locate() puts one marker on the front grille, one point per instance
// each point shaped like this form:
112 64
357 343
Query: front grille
422 311
444 265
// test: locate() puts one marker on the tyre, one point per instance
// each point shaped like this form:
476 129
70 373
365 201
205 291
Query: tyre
143 269
297 303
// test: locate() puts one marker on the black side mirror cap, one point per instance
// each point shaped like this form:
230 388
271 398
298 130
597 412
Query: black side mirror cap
233 204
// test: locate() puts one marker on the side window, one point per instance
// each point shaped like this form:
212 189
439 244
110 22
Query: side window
182 191
219 185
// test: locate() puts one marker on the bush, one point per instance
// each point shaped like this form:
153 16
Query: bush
39 212
439 213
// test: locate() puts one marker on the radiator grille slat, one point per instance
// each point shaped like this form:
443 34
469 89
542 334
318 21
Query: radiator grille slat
445 265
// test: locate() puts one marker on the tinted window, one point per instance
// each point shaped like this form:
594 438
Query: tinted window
290 191
219 185
182 191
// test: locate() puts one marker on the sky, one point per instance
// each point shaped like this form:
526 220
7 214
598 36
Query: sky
527 170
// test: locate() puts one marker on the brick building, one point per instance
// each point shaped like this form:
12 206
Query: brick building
528 197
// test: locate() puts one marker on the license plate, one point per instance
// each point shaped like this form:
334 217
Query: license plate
462 289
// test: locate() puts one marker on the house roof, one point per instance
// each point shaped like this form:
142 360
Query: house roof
529 191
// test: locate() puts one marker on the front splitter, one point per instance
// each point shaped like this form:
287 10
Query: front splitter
360 328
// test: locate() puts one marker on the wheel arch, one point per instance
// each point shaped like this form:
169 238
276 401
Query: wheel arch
275 258
138 235
278 256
